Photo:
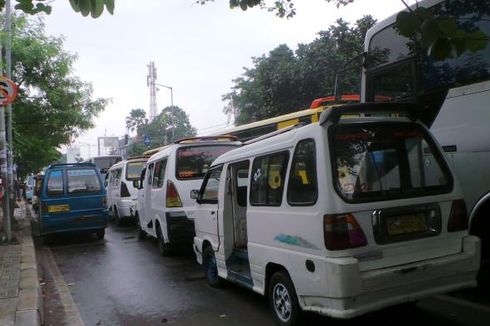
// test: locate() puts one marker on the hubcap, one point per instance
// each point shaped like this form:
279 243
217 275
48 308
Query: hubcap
282 302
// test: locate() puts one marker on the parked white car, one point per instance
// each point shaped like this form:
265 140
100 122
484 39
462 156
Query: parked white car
342 217
166 210
122 188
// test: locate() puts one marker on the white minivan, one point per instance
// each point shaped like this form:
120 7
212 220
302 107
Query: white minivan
342 217
166 210
122 188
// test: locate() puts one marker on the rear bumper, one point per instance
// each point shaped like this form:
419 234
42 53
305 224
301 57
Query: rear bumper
354 293
180 229
126 208
87 222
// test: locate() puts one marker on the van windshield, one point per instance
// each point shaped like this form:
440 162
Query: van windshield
380 161
133 170
82 181
193 161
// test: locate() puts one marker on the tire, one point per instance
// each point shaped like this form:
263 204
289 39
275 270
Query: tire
141 232
283 301
164 248
100 234
117 219
211 268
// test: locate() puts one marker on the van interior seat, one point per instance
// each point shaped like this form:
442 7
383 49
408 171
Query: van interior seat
241 219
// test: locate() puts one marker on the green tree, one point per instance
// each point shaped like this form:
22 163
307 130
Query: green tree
93 8
136 118
52 106
160 129
285 81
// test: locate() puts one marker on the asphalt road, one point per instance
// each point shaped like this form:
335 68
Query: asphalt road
124 281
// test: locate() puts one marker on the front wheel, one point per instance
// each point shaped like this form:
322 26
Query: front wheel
283 301
211 268
141 232
164 248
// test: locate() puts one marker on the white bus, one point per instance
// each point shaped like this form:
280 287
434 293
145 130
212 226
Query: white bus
455 93
105 162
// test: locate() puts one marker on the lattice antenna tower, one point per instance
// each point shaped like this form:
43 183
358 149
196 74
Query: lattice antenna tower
150 82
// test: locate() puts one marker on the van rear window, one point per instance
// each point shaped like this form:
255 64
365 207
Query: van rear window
82 181
376 161
193 161
133 170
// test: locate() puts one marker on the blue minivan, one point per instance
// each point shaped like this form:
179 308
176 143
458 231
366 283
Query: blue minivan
72 197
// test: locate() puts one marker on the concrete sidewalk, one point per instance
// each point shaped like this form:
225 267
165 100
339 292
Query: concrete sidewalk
20 291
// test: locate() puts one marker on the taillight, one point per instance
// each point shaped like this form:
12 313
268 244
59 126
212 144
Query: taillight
124 190
342 231
44 208
458 219
173 198
104 201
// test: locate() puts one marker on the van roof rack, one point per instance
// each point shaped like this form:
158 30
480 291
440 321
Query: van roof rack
206 138
138 157
412 110
274 133
72 164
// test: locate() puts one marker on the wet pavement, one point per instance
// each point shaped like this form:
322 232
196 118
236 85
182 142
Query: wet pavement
124 281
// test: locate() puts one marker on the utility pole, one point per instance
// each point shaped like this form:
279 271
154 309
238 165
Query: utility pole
4 158
8 62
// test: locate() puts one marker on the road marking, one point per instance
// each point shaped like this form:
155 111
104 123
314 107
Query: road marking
461 302
69 305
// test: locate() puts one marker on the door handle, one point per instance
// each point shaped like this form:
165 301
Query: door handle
212 213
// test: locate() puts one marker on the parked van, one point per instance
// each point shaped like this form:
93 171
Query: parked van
72 198
342 217
165 208
122 188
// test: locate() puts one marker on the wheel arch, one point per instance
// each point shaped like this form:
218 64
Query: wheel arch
480 223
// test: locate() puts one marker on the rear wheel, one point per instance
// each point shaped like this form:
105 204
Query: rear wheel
100 234
211 268
283 301
164 248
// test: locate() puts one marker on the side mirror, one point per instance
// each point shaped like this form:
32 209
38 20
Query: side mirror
194 194
136 184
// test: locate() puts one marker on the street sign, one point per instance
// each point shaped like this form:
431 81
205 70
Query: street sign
146 140
8 90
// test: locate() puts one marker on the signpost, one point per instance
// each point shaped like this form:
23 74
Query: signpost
146 140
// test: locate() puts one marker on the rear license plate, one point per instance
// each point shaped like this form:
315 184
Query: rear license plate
406 224
58 208
86 218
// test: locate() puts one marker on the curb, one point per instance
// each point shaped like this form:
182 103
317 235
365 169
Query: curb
30 306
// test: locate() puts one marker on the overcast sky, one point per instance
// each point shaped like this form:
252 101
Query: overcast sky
197 50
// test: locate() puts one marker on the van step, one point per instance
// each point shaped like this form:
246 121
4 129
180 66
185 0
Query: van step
244 280
238 263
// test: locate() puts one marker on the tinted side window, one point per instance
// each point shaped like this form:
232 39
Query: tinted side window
209 192
142 178
83 181
302 185
159 173
268 175
150 173
55 183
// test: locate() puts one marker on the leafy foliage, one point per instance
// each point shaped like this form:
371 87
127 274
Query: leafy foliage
160 129
136 118
52 106
285 81
85 7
